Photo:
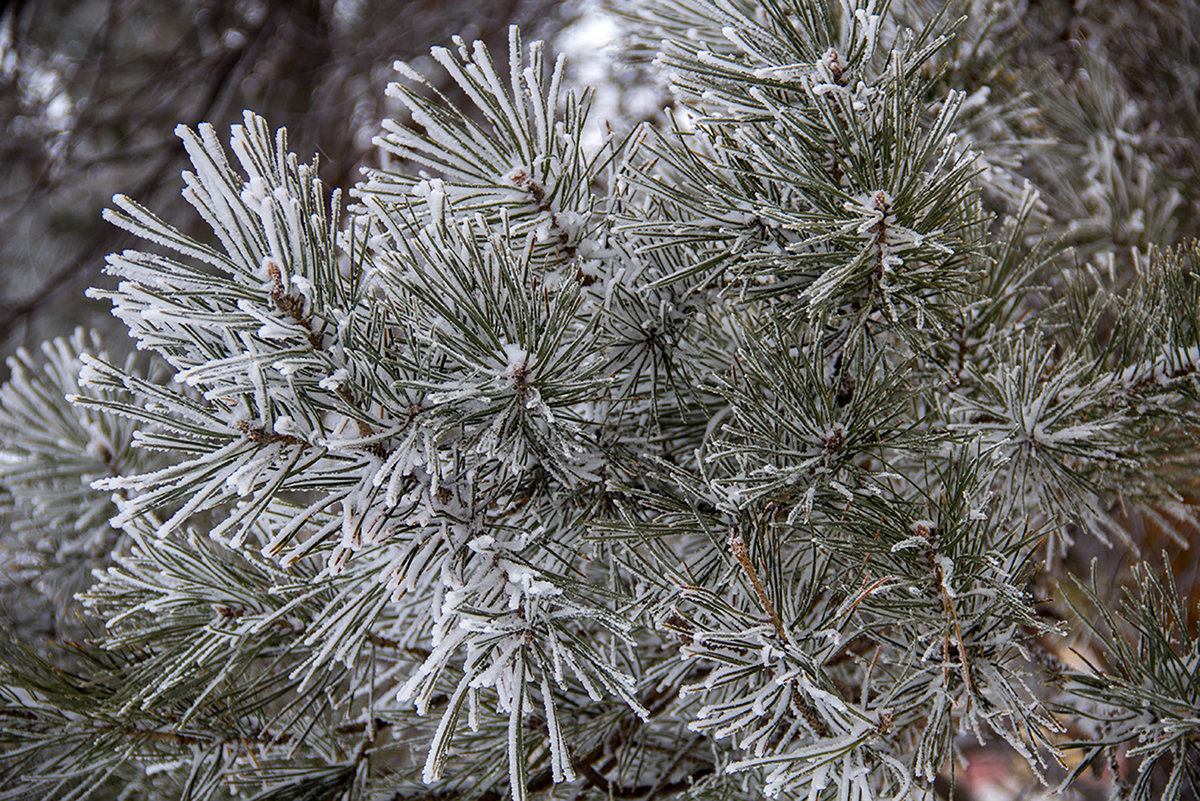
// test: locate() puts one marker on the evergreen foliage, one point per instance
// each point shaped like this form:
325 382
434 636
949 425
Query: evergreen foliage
736 455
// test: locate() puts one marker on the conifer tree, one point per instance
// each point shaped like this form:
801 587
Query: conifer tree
733 456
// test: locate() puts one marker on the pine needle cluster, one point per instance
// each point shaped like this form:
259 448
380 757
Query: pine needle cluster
734 455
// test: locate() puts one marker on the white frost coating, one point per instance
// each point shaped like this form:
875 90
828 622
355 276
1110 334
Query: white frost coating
518 362
827 75
783 72
909 543
89 375
332 383
254 193
947 570
868 25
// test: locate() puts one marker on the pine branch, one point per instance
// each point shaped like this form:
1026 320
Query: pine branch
718 458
